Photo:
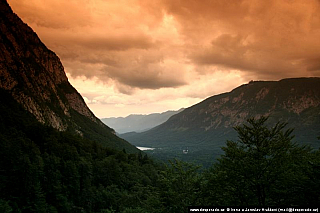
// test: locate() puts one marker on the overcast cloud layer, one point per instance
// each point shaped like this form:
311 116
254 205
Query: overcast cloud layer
143 56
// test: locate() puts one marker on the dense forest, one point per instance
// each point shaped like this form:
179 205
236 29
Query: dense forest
43 170
86 168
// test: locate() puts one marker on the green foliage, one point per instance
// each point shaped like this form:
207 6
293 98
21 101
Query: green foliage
69 175
181 185
100 133
43 170
264 167
5 207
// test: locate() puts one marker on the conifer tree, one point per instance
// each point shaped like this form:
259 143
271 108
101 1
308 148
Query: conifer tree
259 168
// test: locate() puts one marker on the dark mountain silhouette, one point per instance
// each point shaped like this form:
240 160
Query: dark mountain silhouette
138 123
34 76
205 127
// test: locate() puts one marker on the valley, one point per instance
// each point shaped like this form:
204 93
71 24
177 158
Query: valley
205 127
257 145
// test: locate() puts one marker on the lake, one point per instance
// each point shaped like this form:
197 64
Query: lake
144 148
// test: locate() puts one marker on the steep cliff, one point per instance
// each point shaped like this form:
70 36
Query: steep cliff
35 78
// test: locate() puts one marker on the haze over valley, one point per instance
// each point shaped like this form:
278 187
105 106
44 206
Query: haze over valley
138 123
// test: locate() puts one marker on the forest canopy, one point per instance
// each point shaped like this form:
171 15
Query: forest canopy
43 170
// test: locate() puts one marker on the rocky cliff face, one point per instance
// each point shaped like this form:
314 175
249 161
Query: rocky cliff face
34 75
282 100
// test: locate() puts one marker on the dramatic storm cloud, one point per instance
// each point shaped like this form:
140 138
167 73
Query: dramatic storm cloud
141 56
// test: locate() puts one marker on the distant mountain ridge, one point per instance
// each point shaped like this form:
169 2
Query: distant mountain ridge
34 76
205 127
138 123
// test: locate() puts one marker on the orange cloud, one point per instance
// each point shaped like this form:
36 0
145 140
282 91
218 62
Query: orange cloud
273 39
141 46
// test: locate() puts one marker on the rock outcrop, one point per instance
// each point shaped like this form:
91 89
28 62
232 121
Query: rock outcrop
34 76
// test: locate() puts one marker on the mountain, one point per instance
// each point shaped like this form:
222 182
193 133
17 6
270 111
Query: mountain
34 77
56 156
203 128
138 123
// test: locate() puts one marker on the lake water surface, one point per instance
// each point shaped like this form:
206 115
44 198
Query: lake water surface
144 148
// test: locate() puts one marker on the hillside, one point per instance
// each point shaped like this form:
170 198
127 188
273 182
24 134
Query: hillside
138 123
56 156
34 76
205 127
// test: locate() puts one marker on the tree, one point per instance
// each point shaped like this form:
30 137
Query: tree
258 168
180 185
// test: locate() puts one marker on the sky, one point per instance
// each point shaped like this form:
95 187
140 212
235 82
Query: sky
142 56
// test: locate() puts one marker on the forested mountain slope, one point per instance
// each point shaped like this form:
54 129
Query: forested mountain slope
46 170
55 156
205 127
